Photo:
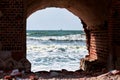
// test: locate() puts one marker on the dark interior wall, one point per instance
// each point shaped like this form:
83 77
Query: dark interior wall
12 27
13 35
114 34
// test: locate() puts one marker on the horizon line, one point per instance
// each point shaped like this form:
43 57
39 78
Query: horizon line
55 29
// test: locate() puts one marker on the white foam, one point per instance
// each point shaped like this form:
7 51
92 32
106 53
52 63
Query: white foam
55 56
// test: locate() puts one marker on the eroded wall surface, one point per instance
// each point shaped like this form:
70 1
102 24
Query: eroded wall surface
12 34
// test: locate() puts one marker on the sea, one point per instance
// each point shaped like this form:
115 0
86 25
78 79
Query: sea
55 49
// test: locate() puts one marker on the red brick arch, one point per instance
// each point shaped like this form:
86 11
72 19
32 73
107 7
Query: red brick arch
93 23
84 10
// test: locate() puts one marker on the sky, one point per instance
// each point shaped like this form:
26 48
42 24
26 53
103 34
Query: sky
53 19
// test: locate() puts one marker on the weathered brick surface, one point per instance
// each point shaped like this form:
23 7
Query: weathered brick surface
99 44
13 34
105 39
12 27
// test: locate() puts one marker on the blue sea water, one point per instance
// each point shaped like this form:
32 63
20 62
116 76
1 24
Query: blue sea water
55 49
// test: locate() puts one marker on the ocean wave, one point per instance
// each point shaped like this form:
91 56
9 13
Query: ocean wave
55 48
77 37
63 56
56 52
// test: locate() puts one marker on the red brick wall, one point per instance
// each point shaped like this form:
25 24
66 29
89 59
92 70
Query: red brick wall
105 39
99 42
12 28
98 48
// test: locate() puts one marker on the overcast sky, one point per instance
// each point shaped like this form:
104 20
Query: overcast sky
53 19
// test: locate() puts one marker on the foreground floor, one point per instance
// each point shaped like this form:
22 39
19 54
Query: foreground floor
60 75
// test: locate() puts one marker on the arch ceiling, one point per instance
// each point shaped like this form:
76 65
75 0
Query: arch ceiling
91 12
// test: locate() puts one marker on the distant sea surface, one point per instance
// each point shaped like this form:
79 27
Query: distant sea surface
55 49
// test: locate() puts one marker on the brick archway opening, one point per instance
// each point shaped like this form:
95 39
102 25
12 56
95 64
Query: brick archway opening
100 17
93 15
79 44
94 24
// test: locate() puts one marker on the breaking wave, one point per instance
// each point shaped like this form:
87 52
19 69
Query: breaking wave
77 37
52 51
